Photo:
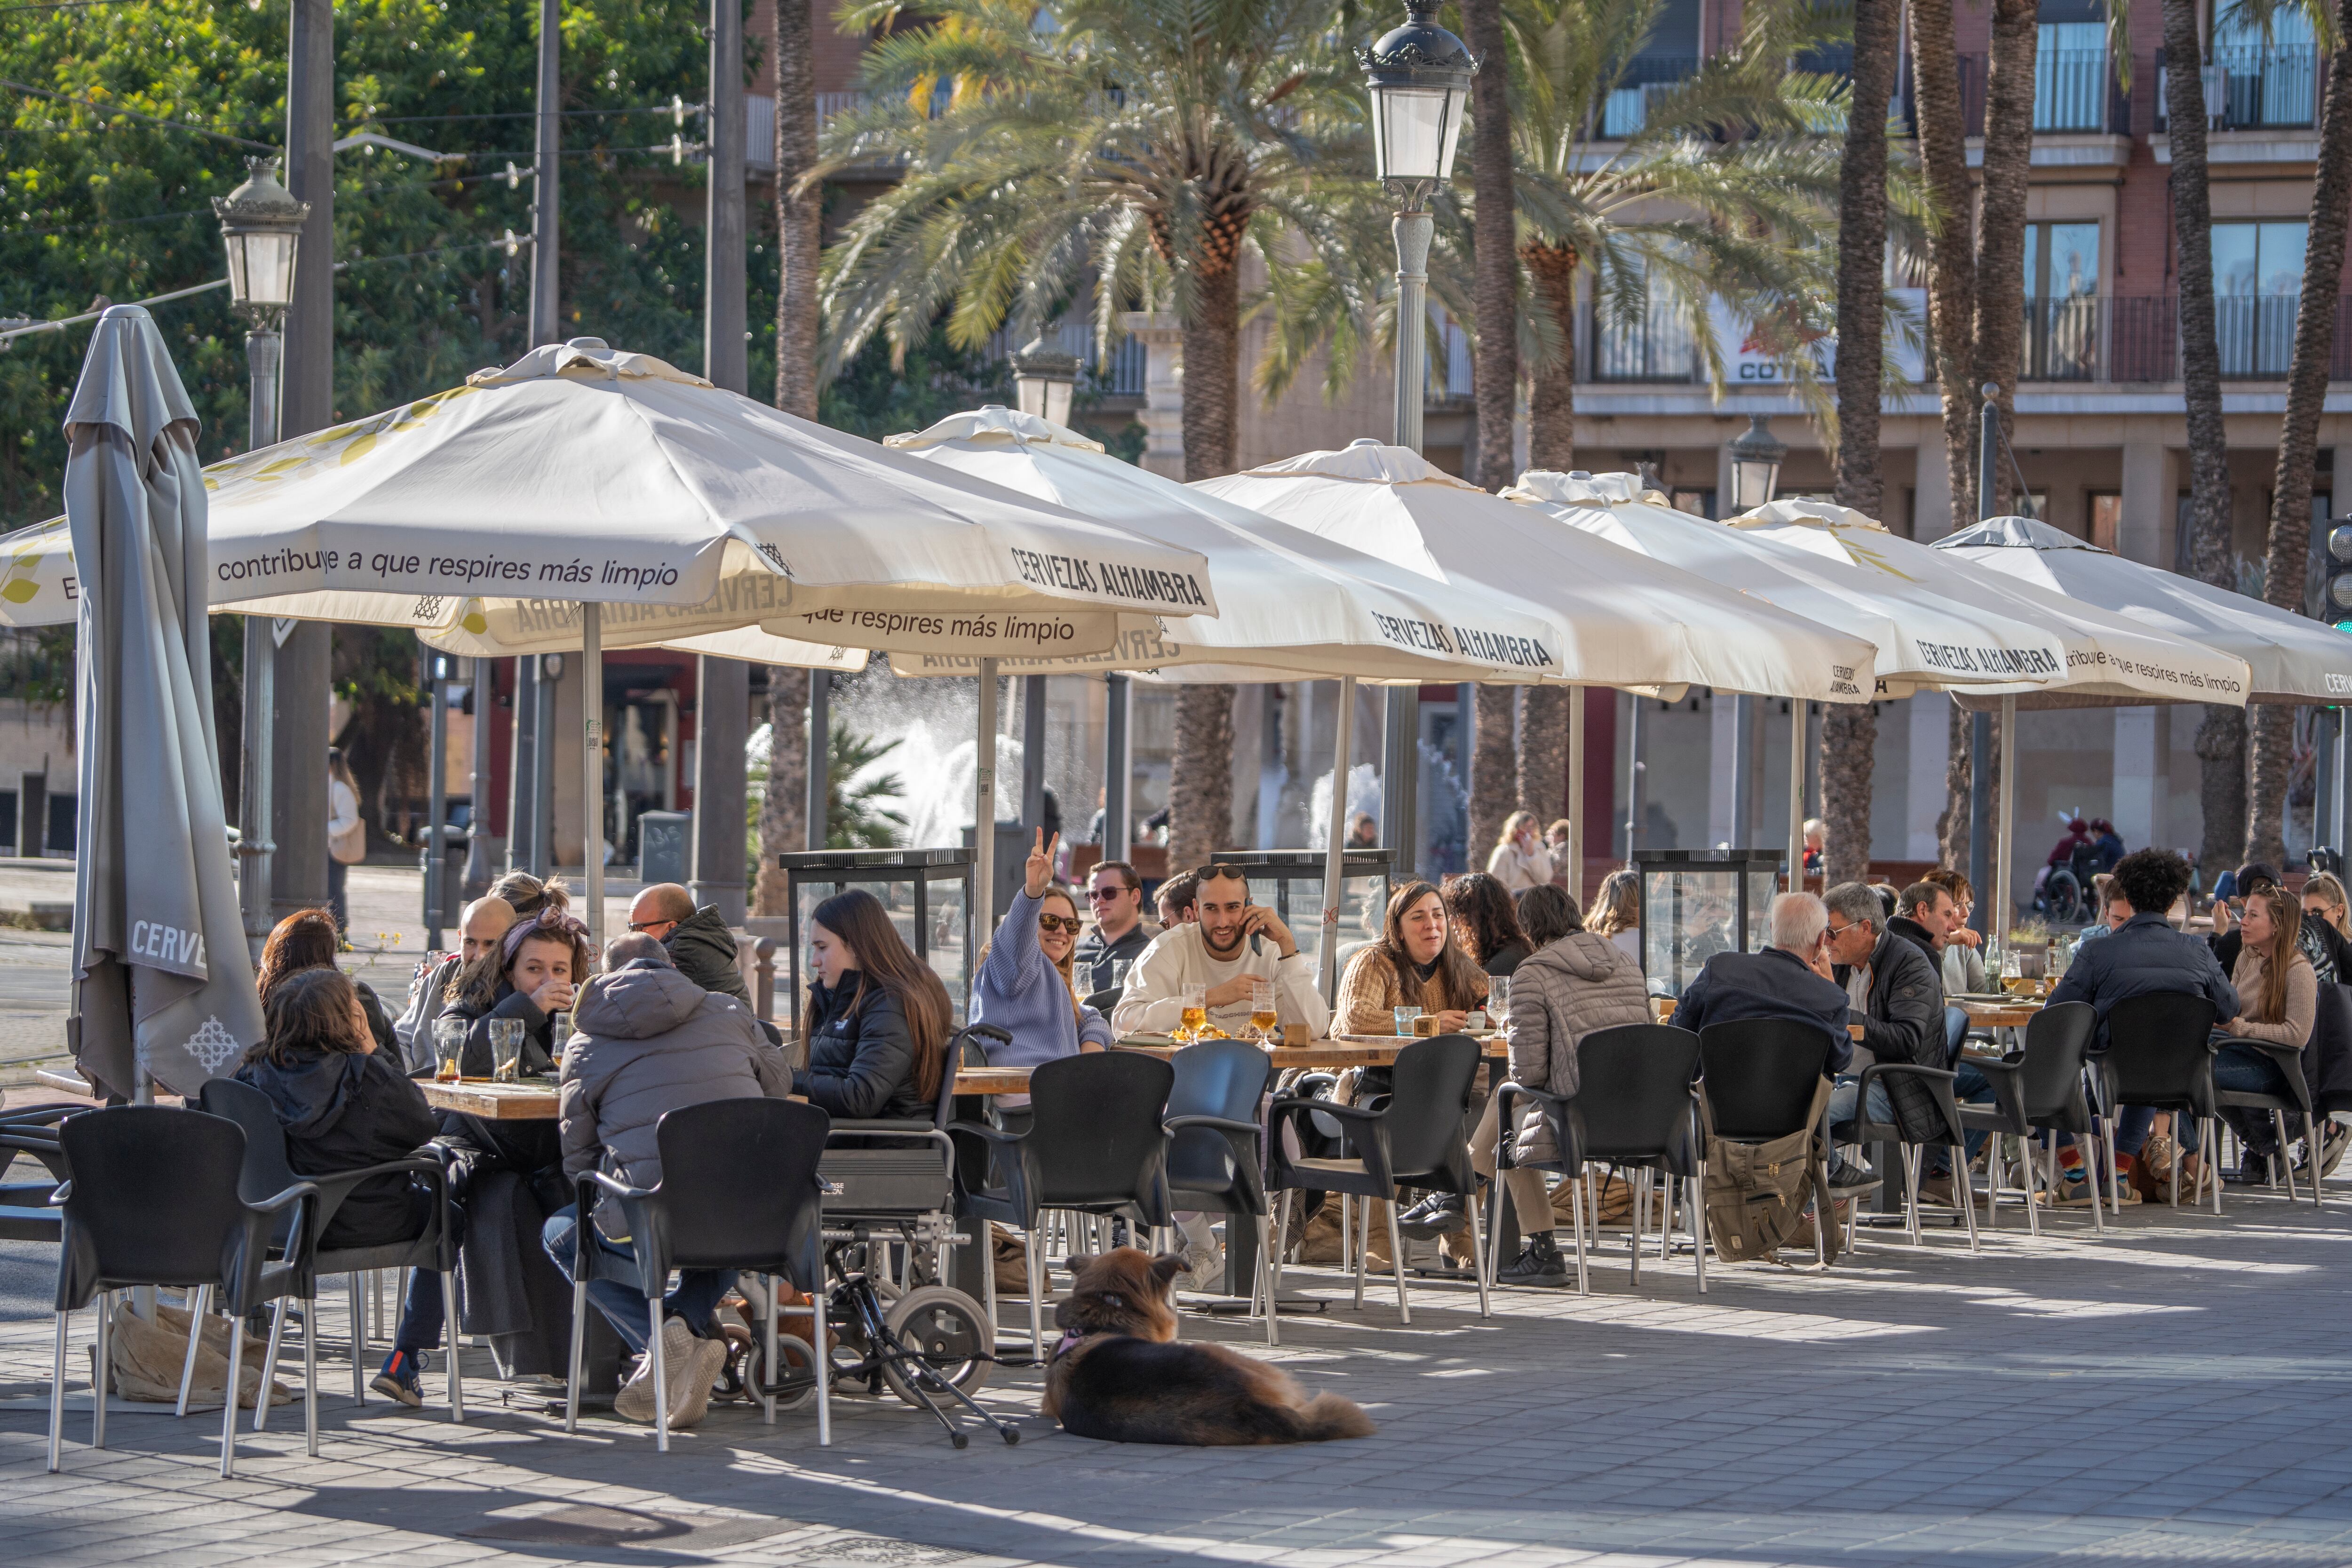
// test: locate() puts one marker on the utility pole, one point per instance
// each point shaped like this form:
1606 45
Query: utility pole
723 686
298 800
1982 871
525 831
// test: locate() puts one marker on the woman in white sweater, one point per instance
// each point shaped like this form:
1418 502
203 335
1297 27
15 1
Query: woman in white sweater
1519 860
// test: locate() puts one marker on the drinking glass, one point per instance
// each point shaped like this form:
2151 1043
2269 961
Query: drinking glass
1498 1002
506 1049
561 1034
1263 1017
1196 1013
448 1048
1404 1017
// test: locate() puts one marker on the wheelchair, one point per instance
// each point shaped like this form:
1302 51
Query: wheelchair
891 1321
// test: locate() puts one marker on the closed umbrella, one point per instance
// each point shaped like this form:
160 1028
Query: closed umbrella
162 986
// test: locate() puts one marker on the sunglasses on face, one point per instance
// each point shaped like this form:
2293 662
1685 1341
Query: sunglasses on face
1097 893
1068 923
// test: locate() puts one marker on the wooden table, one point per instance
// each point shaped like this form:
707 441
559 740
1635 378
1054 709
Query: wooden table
492 1102
2002 1015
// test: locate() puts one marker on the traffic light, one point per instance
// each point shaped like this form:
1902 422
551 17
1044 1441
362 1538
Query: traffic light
2338 598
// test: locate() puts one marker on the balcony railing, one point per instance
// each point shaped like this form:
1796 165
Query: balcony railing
2137 338
2253 87
1627 107
1656 348
2073 90
1123 377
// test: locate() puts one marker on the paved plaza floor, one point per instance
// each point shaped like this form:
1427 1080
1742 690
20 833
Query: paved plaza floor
2169 1395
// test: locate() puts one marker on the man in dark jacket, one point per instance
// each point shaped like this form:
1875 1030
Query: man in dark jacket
1924 917
1115 895
2145 956
1899 1000
647 1041
700 943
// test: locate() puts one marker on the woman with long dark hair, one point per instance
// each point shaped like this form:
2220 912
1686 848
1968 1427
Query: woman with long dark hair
1487 921
877 1016
1416 963
309 940
2278 1002
534 973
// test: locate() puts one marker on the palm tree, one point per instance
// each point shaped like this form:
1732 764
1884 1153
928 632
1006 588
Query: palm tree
2314 335
1494 372
783 800
2000 219
1850 730
854 816
1132 148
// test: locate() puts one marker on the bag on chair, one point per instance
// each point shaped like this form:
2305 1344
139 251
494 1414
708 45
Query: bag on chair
1755 1193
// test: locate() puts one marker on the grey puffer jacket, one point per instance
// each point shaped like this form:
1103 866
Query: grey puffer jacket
1560 994
648 1040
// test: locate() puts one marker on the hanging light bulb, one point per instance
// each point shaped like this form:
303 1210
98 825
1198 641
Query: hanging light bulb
676 150
677 111
514 175
513 243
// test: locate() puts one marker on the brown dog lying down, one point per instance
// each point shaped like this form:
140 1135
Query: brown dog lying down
1117 1376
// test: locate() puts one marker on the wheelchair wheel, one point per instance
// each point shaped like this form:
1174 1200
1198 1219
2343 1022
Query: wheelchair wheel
797 1358
948 1329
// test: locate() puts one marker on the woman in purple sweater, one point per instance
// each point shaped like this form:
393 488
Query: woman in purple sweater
1023 983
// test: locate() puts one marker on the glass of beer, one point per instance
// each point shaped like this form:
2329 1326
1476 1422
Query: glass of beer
506 1049
448 1048
1498 1002
1196 1013
1263 1017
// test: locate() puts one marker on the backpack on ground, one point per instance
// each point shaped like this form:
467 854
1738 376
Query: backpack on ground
1756 1193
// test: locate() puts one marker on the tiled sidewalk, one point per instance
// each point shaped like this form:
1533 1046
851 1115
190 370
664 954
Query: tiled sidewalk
2167 1395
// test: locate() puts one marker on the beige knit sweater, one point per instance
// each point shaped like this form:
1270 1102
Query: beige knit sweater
1370 994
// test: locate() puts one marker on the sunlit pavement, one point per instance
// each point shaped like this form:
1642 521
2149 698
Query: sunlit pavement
2167 1394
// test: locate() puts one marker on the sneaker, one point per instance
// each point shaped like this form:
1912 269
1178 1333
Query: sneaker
2257 1169
398 1380
1440 1213
2334 1137
1539 1263
705 1359
635 1402
1204 1268
1845 1176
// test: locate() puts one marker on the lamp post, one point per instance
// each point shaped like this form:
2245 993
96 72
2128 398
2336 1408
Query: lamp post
1756 457
1044 379
261 229
1419 77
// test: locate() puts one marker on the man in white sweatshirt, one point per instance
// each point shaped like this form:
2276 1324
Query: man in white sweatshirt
1215 951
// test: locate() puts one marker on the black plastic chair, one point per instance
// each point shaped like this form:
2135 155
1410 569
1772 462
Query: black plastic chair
1213 1148
1413 1140
154 1200
433 1250
1760 1078
1632 1110
26 1212
1095 1143
738 1190
2160 1054
2038 1090
2295 1101
1944 1128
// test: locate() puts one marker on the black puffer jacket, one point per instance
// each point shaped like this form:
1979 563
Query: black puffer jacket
537 1049
703 948
861 1059
1905 1023
343 1113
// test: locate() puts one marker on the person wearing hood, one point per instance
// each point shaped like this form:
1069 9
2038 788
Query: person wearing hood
647 1041
1574 983
344 1105
699 941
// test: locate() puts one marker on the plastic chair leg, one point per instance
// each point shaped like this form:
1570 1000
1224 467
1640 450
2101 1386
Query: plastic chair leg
270 1363
1281 1246
1577 1189
1265 1281
654 1349
1697 1211
359 1339
1968 1199
228 1396
311 1378
449 1317
1478 1255
822 1363
198 1306
1363 1246
2206 1171
1911 1189
1032 1261
105 1369
1640 1219
768 1336
58 1393
579 1332
1396 1258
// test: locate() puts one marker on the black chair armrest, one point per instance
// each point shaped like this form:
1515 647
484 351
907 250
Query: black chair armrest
987 1134
1223 1124
1936 1077
1291 1103
295 1194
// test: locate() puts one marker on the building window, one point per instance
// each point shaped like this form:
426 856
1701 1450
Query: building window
2257 285
2069 68
2267 82
1669 54
2062 306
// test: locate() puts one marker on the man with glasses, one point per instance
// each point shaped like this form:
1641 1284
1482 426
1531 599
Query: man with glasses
1896 997
1115 895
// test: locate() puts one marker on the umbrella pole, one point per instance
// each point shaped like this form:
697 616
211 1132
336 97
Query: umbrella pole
1575 795
2004 910
983 804
1336 848
592 763
1796 794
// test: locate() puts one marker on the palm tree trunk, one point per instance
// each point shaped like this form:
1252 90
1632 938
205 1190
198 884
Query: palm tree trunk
1850 730
800 215
1551 400
1201 774
2001 223
2221 738
2286 561
783 809
1543 782
1495 373
1492 768
1952 275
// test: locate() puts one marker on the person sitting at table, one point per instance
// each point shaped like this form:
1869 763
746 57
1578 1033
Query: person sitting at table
309 940
1026 979
2142 957
1487 923
533 974
1923 917
1214 951
1115 896
650 1041
1892 990
2323 894
1963 966
1574 983
2244 883
479 924
1791 978
1563 864
878 1017
2278 998
1175 902
1519 860
344 1105
1617 911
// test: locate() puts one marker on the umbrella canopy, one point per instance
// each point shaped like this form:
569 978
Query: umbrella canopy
162 982
1292 604
1620 617
2293 658
2110 660
485 516
1925 638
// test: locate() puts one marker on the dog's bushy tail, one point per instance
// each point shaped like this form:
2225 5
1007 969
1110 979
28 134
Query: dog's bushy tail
1327 1415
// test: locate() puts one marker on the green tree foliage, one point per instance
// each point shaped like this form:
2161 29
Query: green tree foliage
855 816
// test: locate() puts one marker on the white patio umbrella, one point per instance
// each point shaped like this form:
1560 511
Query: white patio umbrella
2291 658
1293 605
162 985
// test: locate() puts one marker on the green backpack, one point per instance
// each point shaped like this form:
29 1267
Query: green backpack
1755 1194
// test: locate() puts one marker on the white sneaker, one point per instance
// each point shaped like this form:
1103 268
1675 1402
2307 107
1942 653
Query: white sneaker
704 1358
1203 1268
635 1400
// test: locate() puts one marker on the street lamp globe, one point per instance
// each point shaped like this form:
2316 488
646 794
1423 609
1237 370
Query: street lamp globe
1044 379
261 226
1420 80
1756 457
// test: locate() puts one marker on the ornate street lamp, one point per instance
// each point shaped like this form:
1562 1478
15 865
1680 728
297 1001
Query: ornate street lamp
1044 379
261 228
1756 457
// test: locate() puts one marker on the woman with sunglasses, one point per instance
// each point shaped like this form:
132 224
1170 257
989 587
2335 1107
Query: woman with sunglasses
1025 983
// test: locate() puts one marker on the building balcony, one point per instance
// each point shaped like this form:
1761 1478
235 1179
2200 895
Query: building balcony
2074 93
2254 87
